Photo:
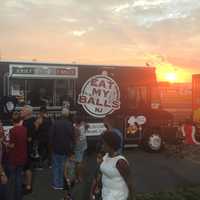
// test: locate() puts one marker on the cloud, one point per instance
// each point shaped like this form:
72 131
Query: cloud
48 2
111 31
69 20
121 7
146 13
79 33
13 4
146 4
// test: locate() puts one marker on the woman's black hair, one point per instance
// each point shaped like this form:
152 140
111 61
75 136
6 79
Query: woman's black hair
112 139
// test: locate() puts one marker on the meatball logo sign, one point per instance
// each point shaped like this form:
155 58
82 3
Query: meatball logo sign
100 96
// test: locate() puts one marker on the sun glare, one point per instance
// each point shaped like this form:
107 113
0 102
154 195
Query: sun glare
171 77
171 73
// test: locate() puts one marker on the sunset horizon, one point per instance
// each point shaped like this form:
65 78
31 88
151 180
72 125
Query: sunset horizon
159 33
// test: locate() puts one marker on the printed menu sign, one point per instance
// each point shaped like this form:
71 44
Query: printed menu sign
42 71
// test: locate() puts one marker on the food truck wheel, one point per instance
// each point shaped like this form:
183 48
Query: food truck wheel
154 142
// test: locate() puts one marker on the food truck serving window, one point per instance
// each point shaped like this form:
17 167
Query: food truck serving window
38 90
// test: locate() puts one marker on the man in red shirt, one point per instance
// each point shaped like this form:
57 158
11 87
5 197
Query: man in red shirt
17 153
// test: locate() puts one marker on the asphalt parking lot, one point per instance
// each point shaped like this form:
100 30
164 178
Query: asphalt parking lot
152 172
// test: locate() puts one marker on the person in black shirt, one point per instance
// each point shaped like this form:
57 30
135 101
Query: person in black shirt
62 140
43 124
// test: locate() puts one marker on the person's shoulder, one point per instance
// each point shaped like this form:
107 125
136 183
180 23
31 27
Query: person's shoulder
21 128
122 163
105 156
13 129
122 158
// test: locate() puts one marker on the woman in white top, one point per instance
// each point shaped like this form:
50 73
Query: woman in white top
116 177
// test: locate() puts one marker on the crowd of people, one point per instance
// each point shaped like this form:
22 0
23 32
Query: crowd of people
38 142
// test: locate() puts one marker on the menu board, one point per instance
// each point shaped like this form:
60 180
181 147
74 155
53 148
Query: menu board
42 71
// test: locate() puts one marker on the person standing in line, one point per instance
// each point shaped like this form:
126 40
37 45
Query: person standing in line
62 141
81 144
115 170
29 123
43 124
17 154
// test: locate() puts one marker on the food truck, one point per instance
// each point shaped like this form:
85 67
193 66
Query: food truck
127 94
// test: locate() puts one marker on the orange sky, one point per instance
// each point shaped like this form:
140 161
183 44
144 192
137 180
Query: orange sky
162 33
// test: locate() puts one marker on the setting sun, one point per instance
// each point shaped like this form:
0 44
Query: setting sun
171 73
171 76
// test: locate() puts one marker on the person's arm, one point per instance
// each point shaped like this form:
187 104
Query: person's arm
95 186
92 189
124 170
31 129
